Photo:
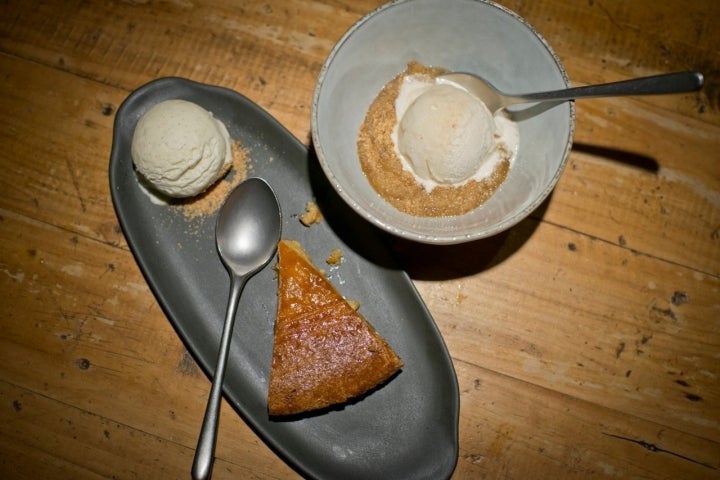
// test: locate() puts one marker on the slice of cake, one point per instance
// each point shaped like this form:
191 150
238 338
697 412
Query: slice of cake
325 352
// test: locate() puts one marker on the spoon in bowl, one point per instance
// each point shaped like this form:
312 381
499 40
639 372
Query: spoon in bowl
247 233
494 99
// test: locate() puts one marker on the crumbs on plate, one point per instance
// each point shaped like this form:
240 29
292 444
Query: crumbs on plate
312 214
335 257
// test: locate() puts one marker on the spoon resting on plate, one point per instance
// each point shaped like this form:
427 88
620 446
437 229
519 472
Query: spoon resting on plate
494 99
247 233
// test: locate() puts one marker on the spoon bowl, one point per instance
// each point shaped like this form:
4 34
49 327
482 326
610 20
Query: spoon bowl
248 227
494 99
247 233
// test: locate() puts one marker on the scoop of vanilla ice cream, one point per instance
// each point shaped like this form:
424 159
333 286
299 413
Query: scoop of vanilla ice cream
446 134
180 148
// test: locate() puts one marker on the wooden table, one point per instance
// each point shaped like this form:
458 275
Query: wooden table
586 340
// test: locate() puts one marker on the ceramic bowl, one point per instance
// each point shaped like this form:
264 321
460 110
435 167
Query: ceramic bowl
459 35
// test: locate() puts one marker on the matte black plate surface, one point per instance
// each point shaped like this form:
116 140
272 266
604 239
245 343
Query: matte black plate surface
407 428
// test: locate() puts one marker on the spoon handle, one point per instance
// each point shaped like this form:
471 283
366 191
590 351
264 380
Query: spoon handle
655 85
205 451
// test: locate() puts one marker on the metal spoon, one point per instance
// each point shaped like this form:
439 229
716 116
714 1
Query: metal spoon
494 99
247 233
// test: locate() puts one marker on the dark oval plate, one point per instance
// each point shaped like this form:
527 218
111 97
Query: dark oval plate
407 428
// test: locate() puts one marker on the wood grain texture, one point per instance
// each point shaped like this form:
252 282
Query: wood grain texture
586 339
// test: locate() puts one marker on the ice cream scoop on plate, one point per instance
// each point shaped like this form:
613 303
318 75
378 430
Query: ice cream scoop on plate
180 149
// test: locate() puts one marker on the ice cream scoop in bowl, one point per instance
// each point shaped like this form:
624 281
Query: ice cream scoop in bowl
494 99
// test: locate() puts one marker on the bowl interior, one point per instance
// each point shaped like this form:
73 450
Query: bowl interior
459 35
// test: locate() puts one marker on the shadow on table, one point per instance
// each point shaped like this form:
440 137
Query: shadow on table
421 261
444 262
631 159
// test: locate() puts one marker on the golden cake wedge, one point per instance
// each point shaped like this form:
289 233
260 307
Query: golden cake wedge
325 352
